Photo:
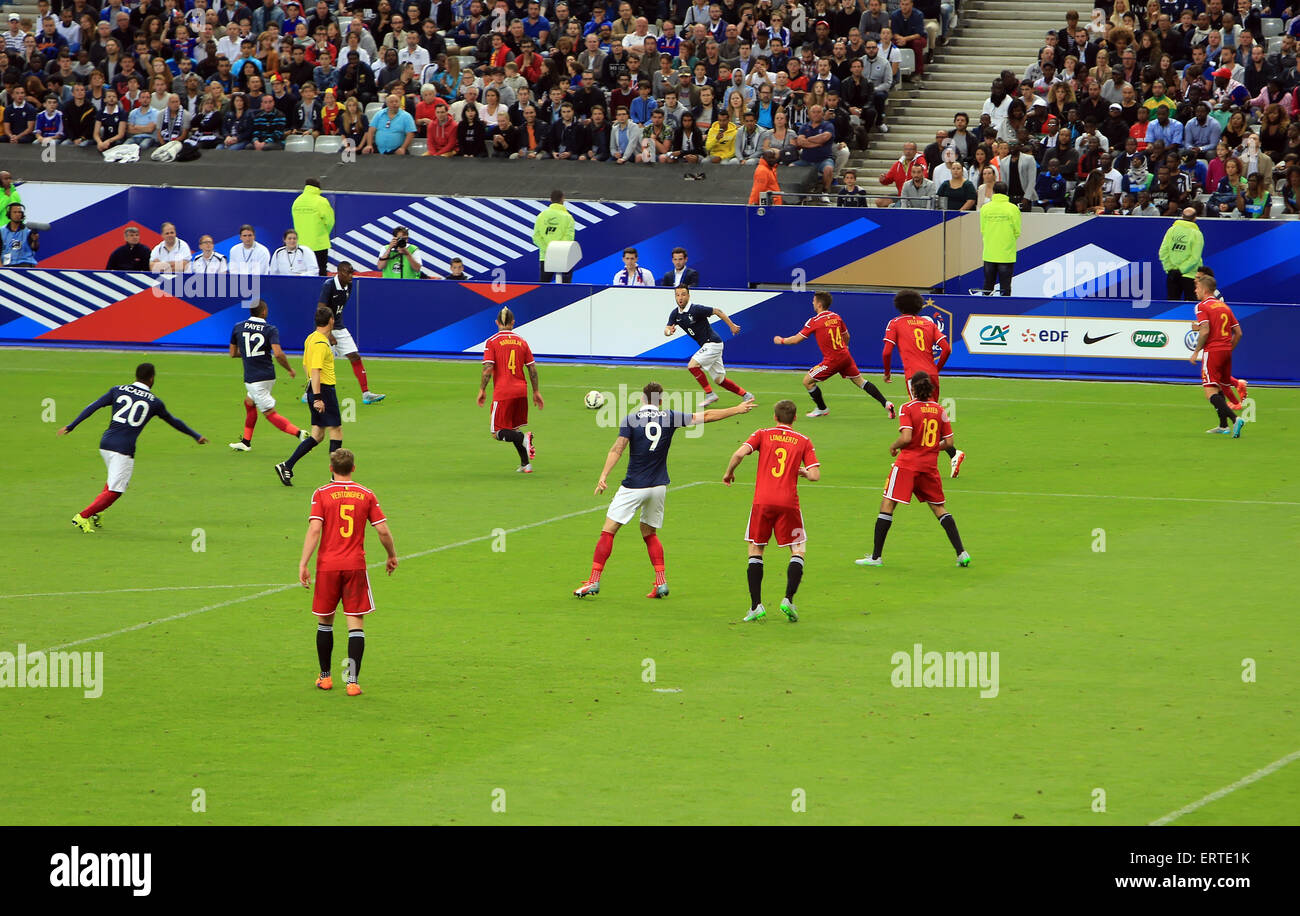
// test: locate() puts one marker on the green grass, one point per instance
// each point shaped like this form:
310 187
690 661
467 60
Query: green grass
1118 670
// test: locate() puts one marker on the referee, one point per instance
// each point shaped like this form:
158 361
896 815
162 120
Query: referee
318 361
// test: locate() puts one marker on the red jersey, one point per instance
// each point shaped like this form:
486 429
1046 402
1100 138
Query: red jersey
781 451
508 353
915 336
1221 321
831 333
344 509
929 425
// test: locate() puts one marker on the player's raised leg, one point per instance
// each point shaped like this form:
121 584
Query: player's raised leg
810 383
697 372
860 381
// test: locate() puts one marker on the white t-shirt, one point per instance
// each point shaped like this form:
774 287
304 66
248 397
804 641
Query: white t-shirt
255 260
178 252
301 262
213 265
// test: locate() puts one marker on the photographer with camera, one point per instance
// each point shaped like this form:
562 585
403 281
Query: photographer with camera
399 258
20 243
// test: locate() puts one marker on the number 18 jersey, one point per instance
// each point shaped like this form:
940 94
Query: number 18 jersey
929 425
781 451
649 432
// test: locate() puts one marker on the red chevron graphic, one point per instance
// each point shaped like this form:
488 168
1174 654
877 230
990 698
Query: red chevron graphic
93 254
141 318
500 296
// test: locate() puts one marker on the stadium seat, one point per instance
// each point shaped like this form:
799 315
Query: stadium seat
1271 27
372 109
419 147
329 144
298 144
907 62
1274 44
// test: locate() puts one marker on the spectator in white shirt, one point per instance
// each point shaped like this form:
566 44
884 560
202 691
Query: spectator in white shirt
471 98
293 260
230 43
413 54
249 256
171 255
208 260
631 274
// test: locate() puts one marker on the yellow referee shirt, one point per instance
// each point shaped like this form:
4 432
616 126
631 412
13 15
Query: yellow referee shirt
317 354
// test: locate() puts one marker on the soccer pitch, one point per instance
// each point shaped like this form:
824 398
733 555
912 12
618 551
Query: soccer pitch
1133 575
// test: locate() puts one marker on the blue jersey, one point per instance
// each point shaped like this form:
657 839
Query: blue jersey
133 406
335 295
650 432
695 322
253 338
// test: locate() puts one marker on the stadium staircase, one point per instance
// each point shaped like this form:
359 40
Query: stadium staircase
994 35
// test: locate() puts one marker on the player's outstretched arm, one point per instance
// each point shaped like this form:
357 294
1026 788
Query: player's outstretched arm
787 341
483 380
280 358
178 424
615 453
813 473
719 313
386 538
711 416
736 457
532 376
309 546
102 401
670 330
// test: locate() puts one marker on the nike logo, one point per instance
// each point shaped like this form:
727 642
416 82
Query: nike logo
1093 340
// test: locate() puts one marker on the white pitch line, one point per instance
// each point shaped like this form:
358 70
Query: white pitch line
115 591
1175 499
1227 790
284 588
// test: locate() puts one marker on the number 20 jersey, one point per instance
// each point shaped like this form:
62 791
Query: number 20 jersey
781 451
253 337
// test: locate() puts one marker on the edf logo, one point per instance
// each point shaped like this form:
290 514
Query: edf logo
1047 335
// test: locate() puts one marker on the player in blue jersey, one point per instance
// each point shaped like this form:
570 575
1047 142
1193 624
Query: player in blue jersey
334 296
134 406
694 320
649 431
257 343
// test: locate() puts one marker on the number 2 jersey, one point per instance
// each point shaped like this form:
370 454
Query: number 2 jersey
508 354
649 432
344 509
253 339
781 451
929 425
1221 321
133 406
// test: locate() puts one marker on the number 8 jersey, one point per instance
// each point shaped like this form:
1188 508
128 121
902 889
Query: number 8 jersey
781 451
929 425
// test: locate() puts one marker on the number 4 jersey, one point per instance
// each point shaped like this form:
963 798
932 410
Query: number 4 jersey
929 425
133 406
254 338
344 509
781 451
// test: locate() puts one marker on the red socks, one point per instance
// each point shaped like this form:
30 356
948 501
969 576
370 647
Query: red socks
105 499
281 423
250 419
360 372
701 378
656 550
604 547
732 387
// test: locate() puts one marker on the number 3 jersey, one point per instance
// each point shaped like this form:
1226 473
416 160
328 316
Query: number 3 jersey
133 406
344 509
253 337
649 432
781 451
929 425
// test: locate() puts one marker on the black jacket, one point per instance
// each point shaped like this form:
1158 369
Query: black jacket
129 257
690 277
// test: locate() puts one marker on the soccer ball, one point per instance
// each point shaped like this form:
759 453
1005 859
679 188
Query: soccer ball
594 400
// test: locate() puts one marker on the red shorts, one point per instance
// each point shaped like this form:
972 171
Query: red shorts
934 380
903 482
351 586
839 365
786 521
1216 369
511 413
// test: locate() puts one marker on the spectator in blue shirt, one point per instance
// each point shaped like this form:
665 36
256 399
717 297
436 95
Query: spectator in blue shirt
1050 185
1162 128
392 130
907 25
536 26
639 111
1201 133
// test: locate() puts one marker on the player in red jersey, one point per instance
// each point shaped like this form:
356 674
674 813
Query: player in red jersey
916 337
783 457
505 357
339 512
833 338
923 429
1218 335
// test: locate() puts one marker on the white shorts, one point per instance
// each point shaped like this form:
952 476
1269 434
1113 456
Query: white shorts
709 357
650 500
260 394
343 343
119 469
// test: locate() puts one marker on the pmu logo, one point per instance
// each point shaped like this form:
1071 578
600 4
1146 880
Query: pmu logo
991 335
1150 338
